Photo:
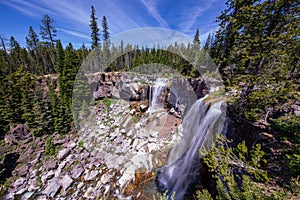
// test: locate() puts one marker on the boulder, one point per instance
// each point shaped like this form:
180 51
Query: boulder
66 182
19 182
50 164
20 132
52 188
33 185
105 178
90 176
143 107
89 193
22 171
62 154
132 112
48 176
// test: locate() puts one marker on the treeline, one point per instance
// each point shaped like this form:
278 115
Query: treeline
36 81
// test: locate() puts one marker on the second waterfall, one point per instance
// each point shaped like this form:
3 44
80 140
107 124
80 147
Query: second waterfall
158 93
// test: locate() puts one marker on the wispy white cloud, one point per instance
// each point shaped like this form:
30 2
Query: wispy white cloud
26 8
74 33
149 36
189 17
150 5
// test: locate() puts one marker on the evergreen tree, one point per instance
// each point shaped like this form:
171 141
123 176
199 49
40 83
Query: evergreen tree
47 30
105 33
14 55
196 41
32 40
59 58
207 45
95 36
4 122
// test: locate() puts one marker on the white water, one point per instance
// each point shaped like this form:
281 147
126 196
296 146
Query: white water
158 94
200 126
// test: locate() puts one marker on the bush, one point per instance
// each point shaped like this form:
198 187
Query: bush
233 168
288 124
293 161
107 102
49 148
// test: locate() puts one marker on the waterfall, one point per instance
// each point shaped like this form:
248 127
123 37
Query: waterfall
200 126
158 94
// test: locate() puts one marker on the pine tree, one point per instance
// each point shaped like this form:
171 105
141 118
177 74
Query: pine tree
106 37
59 58
4 122
32 40
196 41
207 45
95 36
47 30
14 55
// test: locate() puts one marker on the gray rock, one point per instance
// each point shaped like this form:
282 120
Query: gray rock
62 154
152 147
33 186
22 171
89 193
21 191
52 188
47 176
119 139
129 133
27 195
172 111
105 178
85 155
66 182
50 164
123 131
90 176
77 171
80 185
71 145
19 182
143 107
132 112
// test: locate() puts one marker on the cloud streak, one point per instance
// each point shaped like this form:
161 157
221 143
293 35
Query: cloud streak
74 33
153 11
189 17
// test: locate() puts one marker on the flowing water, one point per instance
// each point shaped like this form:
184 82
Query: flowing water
158 94
201 124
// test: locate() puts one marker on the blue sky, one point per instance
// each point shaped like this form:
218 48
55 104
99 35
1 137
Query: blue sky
72 17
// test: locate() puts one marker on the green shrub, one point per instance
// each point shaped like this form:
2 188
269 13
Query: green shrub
49 148
80 144
233 168
293 161
106 101
287 124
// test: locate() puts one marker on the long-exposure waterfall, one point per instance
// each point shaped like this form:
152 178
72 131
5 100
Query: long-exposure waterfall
157 94
201 124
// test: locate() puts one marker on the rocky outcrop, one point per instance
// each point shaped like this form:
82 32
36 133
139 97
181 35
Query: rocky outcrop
20 132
